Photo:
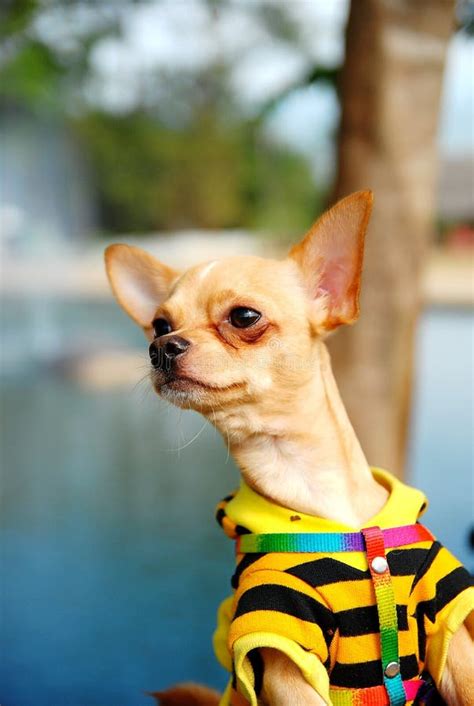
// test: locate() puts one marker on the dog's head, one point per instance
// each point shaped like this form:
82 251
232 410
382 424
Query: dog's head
243 329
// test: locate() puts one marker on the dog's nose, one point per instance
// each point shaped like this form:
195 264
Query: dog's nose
162 355
175 346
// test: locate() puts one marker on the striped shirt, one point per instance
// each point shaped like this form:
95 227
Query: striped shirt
320 608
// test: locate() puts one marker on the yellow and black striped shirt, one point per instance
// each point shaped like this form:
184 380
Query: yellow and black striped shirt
320 609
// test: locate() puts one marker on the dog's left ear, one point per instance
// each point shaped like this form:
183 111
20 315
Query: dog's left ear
138 280
330 260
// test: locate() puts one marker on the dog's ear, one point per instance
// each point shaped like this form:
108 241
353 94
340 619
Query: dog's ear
139 281
330 260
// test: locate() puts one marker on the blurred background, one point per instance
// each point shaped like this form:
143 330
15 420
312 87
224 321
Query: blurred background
199 128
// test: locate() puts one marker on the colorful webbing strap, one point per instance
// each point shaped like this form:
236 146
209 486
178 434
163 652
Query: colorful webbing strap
373 696
327 542
387 612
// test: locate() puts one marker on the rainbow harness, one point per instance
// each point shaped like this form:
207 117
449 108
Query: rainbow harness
374 541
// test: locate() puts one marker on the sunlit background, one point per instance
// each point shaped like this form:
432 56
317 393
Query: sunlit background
195 128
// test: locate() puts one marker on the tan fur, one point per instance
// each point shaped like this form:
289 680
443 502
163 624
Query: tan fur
269 389
457 683
187 695
283 684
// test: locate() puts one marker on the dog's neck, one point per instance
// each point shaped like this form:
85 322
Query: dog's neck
307 457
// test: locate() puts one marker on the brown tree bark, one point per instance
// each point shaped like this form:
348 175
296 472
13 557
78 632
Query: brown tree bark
390 91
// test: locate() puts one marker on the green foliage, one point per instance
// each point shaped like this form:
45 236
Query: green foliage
15 16
32 79
149 177
212 169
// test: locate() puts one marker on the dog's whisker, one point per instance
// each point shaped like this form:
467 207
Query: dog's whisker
188 443
140 382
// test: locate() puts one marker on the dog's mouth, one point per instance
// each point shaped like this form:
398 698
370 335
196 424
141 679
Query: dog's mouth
184 383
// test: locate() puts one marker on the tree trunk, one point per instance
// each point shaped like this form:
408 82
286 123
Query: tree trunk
390 92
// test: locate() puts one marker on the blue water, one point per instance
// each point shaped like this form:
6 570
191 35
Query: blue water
442 441
112 566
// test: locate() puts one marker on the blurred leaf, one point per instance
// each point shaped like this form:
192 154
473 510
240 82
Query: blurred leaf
278 22
16 15
32 77
39 74
317 74
465 16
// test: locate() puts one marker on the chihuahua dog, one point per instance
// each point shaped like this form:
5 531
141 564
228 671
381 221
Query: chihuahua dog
241 340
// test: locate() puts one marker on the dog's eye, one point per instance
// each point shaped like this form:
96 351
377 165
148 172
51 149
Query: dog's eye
161 327
241 317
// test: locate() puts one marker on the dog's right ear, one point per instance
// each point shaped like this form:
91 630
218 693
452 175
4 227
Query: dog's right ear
139 281
330 260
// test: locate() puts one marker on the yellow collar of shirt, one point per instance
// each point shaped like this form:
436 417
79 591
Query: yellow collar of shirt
259 515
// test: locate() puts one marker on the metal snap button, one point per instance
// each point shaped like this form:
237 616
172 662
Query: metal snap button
392 670
379 564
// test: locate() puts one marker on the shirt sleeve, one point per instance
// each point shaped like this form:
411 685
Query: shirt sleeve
444 599
221 633
275 609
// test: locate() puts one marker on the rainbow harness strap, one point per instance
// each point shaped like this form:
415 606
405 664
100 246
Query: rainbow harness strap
374 541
